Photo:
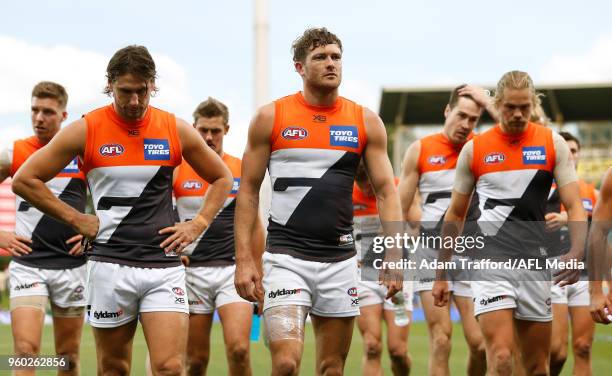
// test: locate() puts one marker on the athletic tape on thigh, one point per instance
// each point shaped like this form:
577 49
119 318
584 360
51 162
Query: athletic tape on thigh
66 312
34 301
285 323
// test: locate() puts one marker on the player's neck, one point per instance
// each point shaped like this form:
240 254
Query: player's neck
513 130
320 98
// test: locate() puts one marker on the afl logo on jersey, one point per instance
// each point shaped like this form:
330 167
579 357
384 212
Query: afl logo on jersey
294 133
437 160
111 150
192 185
494 158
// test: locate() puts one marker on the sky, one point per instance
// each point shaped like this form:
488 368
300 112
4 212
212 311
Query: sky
205 48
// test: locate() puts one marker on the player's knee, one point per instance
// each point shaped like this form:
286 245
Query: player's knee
239 353
441 343
501 359
373 349
197 363
477 349
398 353
26 348
331 367
537 369
286 366
109 366
558 354
72 358
170 367
582 348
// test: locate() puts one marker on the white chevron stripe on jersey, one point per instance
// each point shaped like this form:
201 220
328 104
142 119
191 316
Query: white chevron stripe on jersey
435 182
27 220
296 163
502 185
117 181
188 206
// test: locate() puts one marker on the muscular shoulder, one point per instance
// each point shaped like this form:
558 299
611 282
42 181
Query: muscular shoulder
262 124
374 126
411 156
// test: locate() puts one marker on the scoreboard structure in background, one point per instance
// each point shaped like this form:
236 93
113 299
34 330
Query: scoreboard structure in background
7 210
583 110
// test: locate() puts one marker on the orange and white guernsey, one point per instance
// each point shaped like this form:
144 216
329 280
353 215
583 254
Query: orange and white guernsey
436 166
49 248
513 175
314 155
215 246
129 169
367 220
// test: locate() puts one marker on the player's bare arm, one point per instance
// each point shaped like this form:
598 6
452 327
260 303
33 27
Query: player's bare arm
211 168
601 305
569 192
42 166
454 218
409 178
380 173
16 245
254 163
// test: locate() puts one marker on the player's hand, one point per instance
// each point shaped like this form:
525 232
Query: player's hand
16 245
87 225
248 281
554 221
78 248
567 276
181 235
481 96
440 293
601 307
392 279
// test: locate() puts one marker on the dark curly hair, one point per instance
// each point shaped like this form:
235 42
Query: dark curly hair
311 39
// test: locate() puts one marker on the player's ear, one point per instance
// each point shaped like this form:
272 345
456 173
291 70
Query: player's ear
299 67
226 128
447 111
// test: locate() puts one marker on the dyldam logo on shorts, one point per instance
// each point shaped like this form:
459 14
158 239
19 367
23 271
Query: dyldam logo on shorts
26 286
283 292
107 314
485 301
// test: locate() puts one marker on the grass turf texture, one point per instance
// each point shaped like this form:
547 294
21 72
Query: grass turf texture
260 359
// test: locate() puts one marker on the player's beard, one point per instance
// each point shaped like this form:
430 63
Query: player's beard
133 113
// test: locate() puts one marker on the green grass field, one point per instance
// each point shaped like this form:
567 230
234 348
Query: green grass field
260 360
